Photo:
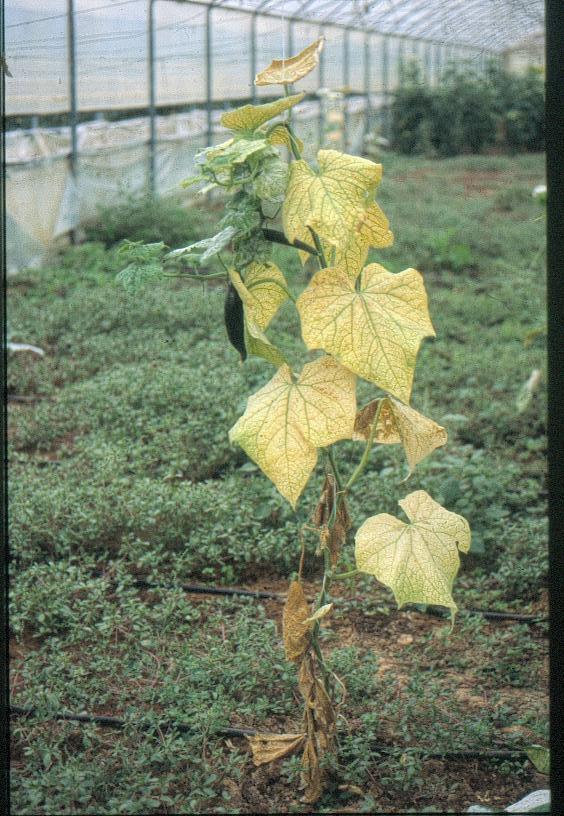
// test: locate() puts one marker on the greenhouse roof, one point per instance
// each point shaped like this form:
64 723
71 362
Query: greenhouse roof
489 24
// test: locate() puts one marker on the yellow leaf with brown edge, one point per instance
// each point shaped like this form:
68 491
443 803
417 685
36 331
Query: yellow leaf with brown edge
417 561
249 117
289 418
398 423
262 292
295 629
375 330
286 71
336 201
270 747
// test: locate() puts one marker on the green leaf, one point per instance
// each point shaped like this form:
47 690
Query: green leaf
272 181
145 264
540 757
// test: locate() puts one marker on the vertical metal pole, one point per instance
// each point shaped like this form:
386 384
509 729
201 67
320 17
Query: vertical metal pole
152 122
401 61
253 55
346 85
290 53
209 77
427 73
367 108
71 44
385 89
321 115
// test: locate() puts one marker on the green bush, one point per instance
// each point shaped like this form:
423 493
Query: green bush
468 112
149 220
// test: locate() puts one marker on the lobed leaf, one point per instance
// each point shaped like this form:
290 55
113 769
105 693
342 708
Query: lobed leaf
284 72
418 561
336 202
398 423
376 330
287 420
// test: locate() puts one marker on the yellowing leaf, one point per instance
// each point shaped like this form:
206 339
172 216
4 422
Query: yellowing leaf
418 561
279 135
372 230
287 420
250 117
270 747
294 626
335 201
399 423
376 330
284 72
263 291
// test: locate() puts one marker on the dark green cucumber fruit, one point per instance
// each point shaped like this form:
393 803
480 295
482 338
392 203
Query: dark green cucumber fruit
234 320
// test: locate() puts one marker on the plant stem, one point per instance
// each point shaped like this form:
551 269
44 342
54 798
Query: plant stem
277 237
363 462
340 576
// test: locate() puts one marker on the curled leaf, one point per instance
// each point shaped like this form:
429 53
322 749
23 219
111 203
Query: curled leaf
263 291
279 135
294 625
398 423
319 613
270 747
284 72
418 561
249 117
375 330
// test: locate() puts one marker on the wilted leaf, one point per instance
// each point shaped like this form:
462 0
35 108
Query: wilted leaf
399 423
324 508
418 561
279 135
284 72
270 747
540 757
311 773
270 184
202 251
250 117
332 535
287 420
337 202
376 330
263 291
257 344
294 626
319 613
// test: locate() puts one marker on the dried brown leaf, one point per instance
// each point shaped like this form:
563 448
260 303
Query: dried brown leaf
270 747
284 72
295 629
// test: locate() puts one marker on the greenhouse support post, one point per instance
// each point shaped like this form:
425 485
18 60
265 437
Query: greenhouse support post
346 84
385 89
209 77
151 77
253 56
367 110
71 52
321 116
427 73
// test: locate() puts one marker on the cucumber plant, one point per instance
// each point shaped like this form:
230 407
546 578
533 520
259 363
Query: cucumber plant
364 322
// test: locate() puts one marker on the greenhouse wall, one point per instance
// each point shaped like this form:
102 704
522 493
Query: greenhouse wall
152 80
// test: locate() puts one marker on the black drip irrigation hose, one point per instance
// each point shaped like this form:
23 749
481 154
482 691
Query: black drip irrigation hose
185 728
435 611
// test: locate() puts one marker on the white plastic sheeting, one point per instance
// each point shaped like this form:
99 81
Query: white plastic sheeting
44 201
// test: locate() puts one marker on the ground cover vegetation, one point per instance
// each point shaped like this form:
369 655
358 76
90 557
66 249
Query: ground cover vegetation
122 468
469 112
